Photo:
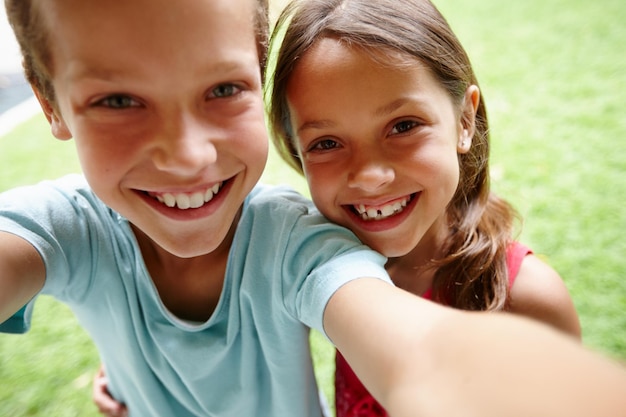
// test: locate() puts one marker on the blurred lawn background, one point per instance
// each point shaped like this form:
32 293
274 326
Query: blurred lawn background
554 78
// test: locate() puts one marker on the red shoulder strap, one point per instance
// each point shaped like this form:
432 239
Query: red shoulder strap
515 254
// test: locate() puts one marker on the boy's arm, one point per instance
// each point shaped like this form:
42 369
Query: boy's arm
419 358
22 274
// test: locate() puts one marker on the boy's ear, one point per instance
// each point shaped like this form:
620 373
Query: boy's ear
468 119
57 124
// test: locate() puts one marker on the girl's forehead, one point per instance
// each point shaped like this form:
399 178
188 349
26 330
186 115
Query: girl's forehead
381 54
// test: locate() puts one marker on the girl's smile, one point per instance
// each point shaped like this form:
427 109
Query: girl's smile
384 211
379 144
382 217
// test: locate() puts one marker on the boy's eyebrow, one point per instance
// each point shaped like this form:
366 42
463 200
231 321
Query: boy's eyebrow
104 73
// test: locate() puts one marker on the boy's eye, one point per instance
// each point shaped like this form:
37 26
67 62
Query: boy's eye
403 127
118 101
224 90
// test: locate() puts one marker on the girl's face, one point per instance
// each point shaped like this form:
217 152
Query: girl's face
164 102
379 145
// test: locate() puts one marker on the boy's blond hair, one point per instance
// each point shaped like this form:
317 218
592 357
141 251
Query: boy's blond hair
32 35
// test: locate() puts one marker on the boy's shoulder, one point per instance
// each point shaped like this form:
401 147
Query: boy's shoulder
279 198
66 185
285 214
60 200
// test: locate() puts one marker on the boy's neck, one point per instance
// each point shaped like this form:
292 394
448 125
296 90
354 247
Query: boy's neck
190 288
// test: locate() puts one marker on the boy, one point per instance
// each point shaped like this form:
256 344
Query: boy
164 103
196 284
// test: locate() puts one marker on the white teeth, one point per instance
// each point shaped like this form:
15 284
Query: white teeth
387 211
196 200
169 200
382 212
183 202
208 195
186 201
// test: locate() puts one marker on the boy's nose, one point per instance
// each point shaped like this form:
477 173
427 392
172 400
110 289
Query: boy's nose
186 146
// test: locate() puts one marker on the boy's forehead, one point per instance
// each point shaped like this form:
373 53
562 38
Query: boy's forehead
57 13
123 28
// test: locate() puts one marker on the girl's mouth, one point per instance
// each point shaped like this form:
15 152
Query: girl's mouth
186 201
374 213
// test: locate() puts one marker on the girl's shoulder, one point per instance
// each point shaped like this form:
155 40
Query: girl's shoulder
539 292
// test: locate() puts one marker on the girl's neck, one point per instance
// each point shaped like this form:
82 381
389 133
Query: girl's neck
414 272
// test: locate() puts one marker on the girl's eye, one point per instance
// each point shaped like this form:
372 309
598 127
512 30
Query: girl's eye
118 101
323 145
224 90
403 127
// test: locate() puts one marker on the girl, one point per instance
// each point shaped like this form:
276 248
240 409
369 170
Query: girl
377 104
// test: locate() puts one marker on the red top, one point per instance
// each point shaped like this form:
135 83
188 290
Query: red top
353 400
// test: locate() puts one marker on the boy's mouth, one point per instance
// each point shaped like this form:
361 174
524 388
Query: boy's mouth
373 213
186 201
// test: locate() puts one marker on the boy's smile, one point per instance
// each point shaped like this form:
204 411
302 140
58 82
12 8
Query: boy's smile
173 145
184 201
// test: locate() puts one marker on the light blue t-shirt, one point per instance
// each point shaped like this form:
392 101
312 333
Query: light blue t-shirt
251 358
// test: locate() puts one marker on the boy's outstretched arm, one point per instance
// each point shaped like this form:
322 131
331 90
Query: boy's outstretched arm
420 358
22 274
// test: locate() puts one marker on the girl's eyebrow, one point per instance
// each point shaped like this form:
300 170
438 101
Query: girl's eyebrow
391 107
381 111
315 124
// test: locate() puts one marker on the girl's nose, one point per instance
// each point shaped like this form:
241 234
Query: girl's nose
370 172
186 146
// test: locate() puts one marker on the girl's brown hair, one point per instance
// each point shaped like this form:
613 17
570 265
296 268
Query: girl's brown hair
32 35
473 273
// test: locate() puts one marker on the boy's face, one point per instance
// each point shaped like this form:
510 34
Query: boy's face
164 102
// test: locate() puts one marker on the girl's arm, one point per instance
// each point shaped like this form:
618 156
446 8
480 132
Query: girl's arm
419 358
22 274
103 399
539 293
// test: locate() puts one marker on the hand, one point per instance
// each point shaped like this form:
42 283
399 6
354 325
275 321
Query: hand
106 404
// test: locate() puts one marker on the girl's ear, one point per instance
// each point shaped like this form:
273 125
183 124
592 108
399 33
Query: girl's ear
57 124
468 119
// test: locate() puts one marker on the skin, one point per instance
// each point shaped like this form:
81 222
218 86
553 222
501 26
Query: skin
171 123
145 127
372 135
379 139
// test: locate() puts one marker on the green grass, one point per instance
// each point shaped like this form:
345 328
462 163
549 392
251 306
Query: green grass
554 77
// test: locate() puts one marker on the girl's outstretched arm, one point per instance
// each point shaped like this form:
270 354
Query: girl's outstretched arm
419 358
22 274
